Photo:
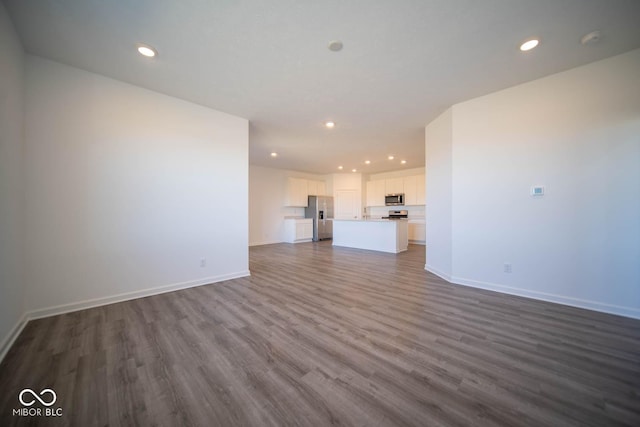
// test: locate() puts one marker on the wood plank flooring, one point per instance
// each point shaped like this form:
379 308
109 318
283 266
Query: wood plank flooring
330 336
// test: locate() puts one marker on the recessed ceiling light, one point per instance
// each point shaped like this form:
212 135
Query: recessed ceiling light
354 170
147 51
274 154
367 162
330 124
335 45
391 157
404 162
529 44
340 167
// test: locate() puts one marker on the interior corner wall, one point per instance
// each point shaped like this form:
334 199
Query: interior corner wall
267 189
128 192
438 207
267 195
577 133
11 182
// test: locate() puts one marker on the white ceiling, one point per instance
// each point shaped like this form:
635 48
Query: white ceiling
403 63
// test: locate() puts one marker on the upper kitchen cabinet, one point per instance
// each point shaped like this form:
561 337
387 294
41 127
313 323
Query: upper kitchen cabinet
312 188
414 190
394 186
410 190
421 189
316 188
375 192
296 194
412 186
299 190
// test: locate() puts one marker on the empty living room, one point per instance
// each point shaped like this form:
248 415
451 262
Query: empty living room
355 213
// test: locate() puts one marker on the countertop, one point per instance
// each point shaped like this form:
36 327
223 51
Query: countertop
372 220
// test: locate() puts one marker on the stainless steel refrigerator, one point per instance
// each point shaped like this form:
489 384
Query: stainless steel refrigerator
320 209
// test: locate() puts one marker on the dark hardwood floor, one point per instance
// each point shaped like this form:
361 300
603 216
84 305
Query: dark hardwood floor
329 336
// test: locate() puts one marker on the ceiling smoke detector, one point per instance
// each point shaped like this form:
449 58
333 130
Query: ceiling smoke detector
591 38
335 46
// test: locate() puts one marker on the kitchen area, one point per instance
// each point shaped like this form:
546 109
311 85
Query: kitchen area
385 234
383 212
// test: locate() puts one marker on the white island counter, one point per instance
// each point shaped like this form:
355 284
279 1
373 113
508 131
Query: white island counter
385 235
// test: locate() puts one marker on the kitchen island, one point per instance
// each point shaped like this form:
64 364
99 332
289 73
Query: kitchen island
384 235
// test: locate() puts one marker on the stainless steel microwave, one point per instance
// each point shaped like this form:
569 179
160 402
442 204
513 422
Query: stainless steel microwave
394 199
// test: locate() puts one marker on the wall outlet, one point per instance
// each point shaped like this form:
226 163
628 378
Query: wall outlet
203 262
507 267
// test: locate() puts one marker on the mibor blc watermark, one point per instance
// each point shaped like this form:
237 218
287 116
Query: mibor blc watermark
29 399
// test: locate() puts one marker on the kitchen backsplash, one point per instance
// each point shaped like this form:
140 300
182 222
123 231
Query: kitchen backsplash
293 212
416 212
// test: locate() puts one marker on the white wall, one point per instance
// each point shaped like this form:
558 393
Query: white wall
11 181
438 207
267 190
127 190
578 134
396 174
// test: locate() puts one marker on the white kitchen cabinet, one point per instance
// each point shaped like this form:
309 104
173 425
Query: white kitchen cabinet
296 194
304 230
394 186
375 192
298 230
420 190
417 231
322 188
379 192
312 188
414 190
371 200
410 190
412 186
374 235
299 189
316 188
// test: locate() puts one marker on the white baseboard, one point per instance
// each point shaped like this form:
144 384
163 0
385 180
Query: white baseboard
265 243
558 299
96 302
542 296
438 273
12 336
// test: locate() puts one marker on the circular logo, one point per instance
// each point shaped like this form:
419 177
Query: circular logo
37 397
